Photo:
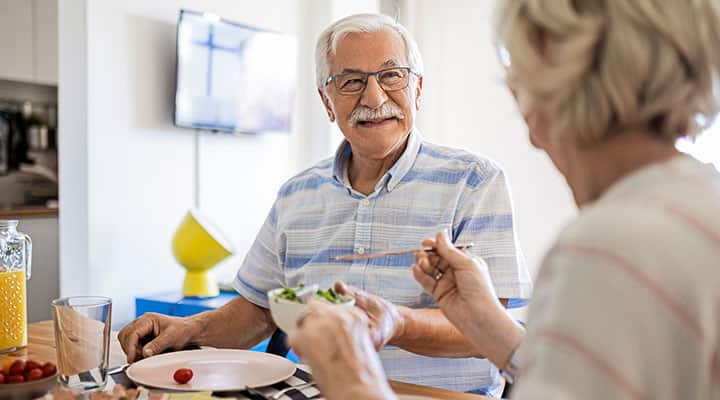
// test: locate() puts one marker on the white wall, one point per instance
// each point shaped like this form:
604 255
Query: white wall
706 147
127 175
120 206
73 191
465 104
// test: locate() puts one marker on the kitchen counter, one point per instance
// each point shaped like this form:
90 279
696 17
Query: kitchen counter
28 212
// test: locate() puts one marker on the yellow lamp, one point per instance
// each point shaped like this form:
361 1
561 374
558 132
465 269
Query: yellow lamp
198 246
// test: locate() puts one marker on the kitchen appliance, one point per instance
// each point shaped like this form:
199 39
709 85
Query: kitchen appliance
38 137
13 138
4 144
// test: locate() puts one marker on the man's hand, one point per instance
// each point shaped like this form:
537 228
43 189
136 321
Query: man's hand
334 341
154 333
384 319
418 330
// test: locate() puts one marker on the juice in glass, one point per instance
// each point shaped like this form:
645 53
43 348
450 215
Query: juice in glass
13 307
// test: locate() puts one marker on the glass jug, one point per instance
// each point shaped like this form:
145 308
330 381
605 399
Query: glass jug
15 261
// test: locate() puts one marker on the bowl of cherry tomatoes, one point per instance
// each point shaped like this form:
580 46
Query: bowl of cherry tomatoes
26 379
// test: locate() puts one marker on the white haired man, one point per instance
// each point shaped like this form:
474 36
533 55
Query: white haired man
385 189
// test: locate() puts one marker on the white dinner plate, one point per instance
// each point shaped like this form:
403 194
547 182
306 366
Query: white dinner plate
213 370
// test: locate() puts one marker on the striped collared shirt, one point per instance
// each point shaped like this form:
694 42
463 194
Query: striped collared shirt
318 215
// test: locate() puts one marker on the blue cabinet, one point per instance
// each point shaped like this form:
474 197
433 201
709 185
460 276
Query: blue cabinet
175 304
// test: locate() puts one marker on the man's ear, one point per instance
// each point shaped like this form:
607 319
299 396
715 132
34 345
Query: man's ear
418 91
327 104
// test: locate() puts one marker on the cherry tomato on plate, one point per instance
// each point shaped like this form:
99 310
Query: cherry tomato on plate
183 375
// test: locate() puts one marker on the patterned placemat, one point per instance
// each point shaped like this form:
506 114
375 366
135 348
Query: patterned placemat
117 384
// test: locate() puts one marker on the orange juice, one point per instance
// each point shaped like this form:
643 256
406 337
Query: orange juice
13 316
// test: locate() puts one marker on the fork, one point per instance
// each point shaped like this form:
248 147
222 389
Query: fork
282 392
367 256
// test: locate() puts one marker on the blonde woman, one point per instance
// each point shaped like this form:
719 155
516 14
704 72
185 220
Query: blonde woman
627 301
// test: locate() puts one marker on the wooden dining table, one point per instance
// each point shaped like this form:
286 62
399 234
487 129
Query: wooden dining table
41 347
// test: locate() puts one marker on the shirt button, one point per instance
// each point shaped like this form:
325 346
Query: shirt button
361 250
365 202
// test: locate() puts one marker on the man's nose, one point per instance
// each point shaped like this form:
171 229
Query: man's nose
374 95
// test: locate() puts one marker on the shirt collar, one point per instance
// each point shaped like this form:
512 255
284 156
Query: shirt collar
403 165
638 180
394 175
341 156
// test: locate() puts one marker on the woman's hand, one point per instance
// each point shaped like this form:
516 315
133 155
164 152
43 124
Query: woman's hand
462 288
385 322
335 343
459 283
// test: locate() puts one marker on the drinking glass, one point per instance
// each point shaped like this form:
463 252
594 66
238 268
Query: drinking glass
82 339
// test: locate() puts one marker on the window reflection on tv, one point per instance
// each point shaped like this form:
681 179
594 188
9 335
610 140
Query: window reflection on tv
233 77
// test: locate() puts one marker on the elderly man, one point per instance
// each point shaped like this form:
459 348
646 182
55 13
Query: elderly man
385 189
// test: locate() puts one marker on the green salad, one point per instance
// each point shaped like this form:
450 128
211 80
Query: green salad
289 294
329 295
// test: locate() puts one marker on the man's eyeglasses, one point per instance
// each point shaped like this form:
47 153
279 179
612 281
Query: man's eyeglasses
390 79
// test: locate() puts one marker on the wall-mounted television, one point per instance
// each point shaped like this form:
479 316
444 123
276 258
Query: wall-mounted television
233 77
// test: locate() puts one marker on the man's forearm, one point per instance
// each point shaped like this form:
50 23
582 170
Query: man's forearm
427 332
238 324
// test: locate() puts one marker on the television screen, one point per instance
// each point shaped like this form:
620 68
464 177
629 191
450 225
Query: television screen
233 77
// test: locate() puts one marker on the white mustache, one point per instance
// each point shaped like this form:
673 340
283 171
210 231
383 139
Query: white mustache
385 111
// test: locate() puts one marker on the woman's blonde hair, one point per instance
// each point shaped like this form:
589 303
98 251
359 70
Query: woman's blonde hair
605 66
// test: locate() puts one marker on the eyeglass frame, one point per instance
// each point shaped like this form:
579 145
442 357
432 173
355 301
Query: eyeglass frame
366 78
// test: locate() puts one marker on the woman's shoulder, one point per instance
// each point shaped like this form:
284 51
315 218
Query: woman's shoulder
662 238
